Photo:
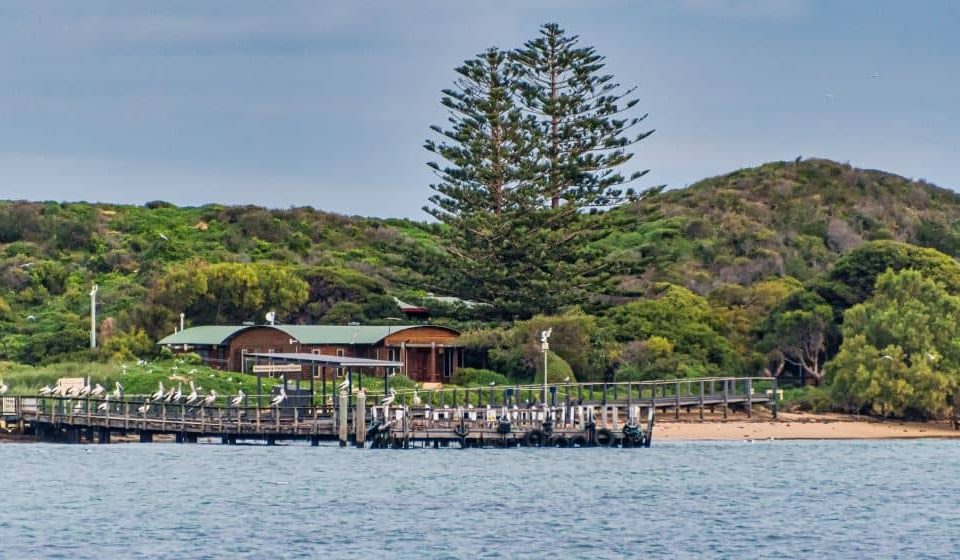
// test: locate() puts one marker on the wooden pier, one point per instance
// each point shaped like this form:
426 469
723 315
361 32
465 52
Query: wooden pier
575 415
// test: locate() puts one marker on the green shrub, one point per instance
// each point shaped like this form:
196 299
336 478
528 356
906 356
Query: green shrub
473 377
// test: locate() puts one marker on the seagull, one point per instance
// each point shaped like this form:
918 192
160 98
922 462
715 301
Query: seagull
886 357
105 404
26 265
117 390
931 357
237 400
566 379
875 75
193 396
275 401
416 398
3 387
829 95
141 362
160 392
97 391
31 317
210 399
388 400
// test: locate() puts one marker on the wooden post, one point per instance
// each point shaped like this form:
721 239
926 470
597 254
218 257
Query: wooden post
360 419
773 385
342 417
433 361
749 389
701 400
676 409
726 397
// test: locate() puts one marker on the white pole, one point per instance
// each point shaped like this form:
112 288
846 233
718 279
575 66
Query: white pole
93 317
181 321
544 337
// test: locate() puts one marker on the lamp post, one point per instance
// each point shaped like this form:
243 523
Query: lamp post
545 345
93 317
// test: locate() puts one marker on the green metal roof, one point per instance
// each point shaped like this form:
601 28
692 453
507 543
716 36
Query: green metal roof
306 334
212 335
341 334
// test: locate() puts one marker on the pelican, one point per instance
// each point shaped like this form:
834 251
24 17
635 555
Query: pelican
144 408
3 387
46 391
210 399
416 398
105 404
160 392
85 390
237 400
117 390
178 394
168 396
388 400
69 391
193 396
344 384
97 391
275 401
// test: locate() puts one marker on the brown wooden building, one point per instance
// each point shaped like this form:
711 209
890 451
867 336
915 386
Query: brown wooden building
428 353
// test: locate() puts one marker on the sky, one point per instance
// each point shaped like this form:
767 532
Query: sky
327 104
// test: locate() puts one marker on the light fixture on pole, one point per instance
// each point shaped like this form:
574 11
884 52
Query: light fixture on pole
545 345
93 317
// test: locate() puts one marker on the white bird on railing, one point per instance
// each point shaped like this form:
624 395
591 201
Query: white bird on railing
105 404
168 396
117 390
68 391
85 390
388 400
178 394
3 387
275 401
97 390
344 384
210 399
145 408
160 392
193 396
237 400
46 391
416 398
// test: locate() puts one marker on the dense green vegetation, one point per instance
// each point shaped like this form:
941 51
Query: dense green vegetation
697 292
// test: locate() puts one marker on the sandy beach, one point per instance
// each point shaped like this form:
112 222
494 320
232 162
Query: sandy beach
795 426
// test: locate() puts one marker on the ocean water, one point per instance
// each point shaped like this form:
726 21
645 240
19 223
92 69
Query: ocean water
778 499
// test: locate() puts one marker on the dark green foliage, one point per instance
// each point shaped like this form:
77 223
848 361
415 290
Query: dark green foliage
797 333
472 377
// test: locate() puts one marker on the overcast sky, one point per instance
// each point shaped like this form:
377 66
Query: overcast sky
328 103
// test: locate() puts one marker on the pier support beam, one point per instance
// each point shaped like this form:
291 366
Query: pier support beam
315 441
146 437
343 416
103 435
360 419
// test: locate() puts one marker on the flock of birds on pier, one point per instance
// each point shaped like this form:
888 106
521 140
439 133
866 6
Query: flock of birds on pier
174 395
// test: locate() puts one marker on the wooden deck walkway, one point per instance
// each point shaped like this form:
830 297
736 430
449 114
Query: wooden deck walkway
578 414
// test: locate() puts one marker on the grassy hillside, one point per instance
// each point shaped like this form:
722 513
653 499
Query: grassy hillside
780 219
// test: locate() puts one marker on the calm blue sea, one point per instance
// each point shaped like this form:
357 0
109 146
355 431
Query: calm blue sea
676 500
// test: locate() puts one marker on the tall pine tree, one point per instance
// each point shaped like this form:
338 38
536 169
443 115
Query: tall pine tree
534 142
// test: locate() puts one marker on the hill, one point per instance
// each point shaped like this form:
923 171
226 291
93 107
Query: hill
767 228
780 219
